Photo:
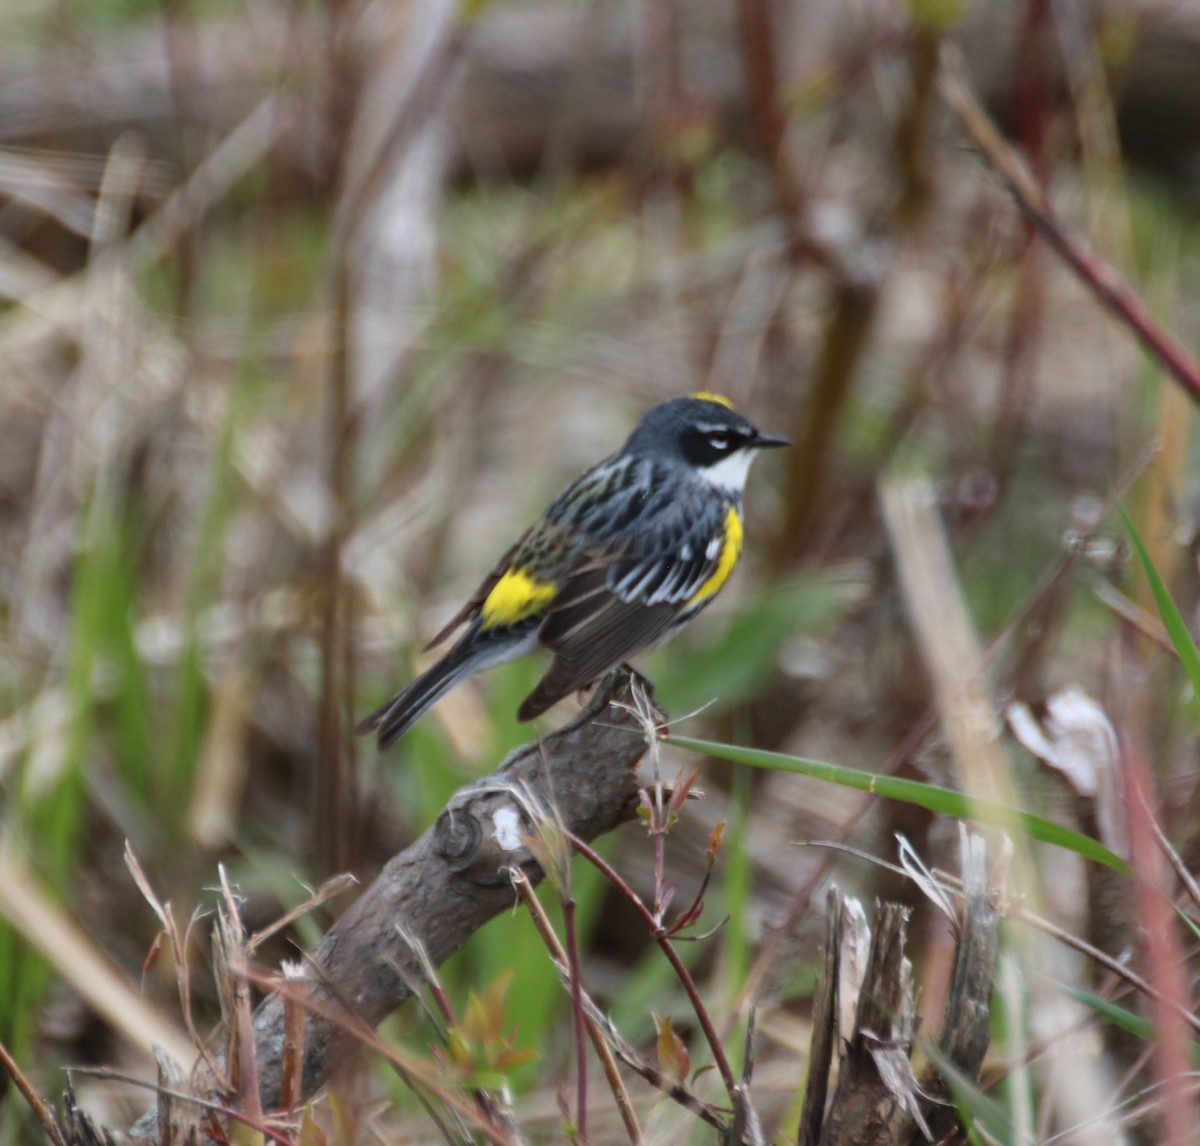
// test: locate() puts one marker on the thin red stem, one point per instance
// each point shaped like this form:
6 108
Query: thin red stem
668 949
1105 283
568 906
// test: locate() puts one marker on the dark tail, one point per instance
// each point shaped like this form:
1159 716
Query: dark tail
392 720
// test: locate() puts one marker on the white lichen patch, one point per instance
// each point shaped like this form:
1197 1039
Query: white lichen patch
508 829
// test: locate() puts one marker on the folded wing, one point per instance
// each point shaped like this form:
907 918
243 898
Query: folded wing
609 610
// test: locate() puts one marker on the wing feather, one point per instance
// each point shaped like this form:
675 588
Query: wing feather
612 631
537 553
613 606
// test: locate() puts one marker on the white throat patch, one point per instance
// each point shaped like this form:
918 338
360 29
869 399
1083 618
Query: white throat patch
729 473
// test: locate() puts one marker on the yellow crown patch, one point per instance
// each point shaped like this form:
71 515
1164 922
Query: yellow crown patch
720 399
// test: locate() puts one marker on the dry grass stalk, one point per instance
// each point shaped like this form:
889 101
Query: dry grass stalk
51 931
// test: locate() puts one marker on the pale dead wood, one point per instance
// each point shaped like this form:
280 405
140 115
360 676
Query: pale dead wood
824 1037
966 1019
871 1102
878 1098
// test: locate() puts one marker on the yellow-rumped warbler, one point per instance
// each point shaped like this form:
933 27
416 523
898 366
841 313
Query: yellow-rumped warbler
622 559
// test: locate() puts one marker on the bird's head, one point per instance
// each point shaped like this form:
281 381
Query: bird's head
706 433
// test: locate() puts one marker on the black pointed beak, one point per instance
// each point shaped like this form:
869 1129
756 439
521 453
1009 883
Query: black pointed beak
770 442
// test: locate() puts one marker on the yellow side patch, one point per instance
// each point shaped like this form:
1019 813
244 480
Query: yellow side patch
720 399
515 597
731 550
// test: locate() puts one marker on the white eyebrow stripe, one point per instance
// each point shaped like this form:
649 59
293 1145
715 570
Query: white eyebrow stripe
721 427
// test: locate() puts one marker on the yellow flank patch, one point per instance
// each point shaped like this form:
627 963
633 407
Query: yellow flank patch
731 550
720 399
515 597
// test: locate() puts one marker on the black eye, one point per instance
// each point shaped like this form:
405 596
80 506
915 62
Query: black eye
719 440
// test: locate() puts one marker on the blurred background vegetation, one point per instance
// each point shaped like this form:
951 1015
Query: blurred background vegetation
307 309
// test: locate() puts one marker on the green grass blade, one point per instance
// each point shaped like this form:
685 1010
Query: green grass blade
738 892
1171 618
131 704
928 796
978 1111
189 685
1119 1016
1188 922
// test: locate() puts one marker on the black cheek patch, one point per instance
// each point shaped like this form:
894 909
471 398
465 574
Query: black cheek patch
699 451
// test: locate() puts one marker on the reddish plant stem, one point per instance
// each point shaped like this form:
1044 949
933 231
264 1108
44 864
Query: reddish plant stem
573 961
689 916
443 1002
1159 937
668 949
290 1073
611 1072
1103 280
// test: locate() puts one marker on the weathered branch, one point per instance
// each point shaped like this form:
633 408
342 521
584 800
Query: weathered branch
878 1099
824 1026
966 1021
875 1097
454 879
